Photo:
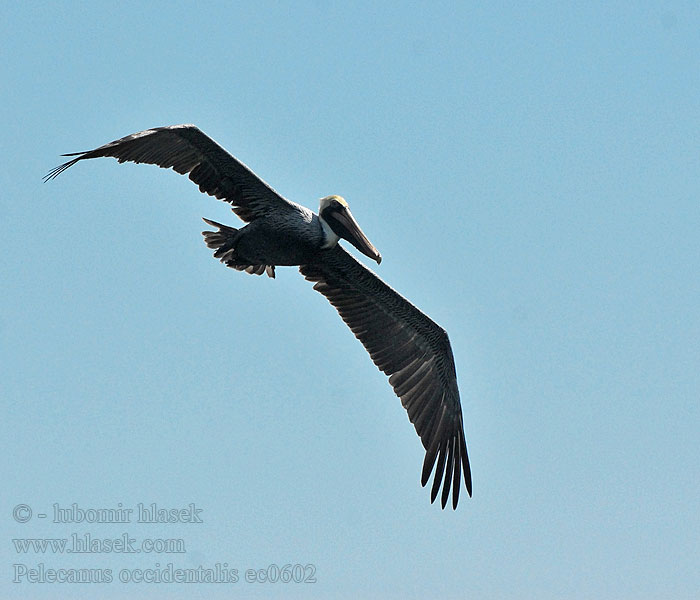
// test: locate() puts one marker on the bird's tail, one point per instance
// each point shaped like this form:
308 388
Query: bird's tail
223 242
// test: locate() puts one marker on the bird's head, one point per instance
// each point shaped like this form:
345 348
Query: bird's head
337 222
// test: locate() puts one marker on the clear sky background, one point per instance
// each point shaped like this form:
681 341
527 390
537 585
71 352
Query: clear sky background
530 173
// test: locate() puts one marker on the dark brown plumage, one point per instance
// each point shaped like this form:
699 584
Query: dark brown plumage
403 342
414 351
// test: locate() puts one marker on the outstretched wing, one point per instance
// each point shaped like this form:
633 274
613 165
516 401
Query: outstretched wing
414 351
187 150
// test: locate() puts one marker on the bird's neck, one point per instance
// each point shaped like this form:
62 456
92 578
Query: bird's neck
330 237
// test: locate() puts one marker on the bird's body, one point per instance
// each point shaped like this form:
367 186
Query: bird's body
282 242
403 342
272 240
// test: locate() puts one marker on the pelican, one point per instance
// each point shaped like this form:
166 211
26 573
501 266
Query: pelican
402 341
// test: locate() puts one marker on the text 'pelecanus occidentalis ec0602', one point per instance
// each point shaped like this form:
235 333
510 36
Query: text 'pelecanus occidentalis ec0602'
402 341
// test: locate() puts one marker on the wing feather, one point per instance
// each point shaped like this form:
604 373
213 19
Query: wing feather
413 351
187 150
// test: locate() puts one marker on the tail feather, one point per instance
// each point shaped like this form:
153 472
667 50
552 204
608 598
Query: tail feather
224 241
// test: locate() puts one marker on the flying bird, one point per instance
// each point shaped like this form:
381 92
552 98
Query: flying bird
402 341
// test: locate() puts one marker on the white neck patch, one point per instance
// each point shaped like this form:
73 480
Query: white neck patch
331 237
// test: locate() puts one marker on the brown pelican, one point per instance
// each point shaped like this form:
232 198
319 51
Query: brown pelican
402 341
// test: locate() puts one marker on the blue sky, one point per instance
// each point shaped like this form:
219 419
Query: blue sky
530 174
